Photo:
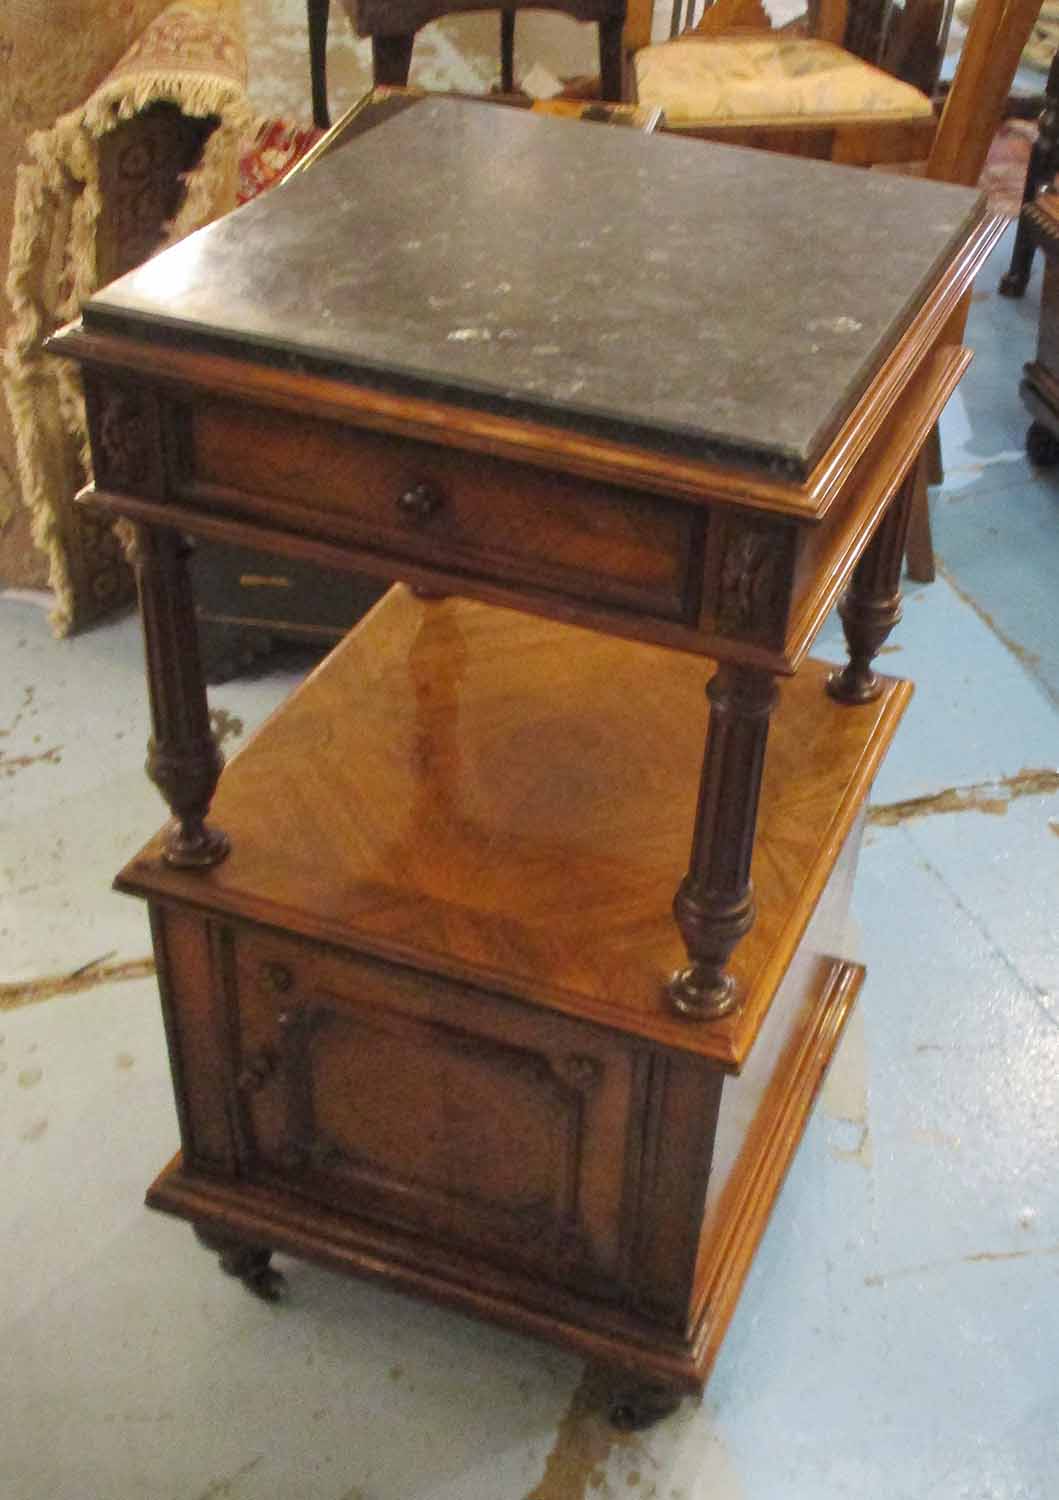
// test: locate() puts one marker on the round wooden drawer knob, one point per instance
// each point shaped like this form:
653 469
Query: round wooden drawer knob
419 503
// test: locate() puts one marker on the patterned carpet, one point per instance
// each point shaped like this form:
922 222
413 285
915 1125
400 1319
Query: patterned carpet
1005 168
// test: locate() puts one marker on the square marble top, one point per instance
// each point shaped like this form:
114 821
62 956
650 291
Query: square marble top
712 301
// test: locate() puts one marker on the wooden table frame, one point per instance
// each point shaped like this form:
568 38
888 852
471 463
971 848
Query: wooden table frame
759 561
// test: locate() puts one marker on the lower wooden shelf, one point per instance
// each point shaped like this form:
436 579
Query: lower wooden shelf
416 1019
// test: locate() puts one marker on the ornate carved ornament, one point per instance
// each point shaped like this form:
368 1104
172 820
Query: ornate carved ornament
122 450
751 574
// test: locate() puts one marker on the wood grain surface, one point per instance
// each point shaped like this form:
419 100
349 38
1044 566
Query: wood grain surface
510 802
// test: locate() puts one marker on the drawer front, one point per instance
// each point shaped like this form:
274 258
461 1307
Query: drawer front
416 1103
469 513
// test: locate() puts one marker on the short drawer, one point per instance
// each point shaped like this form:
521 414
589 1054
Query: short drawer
466 513
414 1102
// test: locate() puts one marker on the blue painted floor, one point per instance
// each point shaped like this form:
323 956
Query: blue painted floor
899 1334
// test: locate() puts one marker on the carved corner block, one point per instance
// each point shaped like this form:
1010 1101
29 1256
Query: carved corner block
125 436
750 567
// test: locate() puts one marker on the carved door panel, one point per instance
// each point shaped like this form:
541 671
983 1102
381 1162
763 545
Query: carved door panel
414 1102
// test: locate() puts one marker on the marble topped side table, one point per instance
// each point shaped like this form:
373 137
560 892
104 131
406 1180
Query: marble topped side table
436 1015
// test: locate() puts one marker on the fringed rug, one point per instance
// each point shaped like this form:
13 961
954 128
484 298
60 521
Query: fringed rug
148 157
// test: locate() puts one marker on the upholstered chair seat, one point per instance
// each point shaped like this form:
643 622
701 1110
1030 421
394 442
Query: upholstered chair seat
769 80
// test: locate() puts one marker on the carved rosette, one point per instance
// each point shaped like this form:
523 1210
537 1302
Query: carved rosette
121 452
750 579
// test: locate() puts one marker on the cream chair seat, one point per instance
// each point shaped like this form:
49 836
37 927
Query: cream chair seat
702 81
746 86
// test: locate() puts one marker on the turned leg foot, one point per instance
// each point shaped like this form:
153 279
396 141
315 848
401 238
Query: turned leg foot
871 606
636 1405
1042 446
714 906
250 1264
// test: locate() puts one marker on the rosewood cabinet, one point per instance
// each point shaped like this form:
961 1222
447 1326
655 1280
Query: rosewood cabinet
504 963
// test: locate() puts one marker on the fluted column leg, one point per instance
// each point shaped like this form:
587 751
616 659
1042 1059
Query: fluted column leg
183 758
871 606
714 906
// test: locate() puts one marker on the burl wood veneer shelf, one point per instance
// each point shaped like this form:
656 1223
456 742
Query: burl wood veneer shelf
418 1016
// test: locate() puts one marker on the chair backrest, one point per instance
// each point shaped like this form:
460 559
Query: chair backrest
974 108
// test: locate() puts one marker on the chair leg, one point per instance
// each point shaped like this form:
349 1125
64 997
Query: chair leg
507 51
391 58
611 61
318 16
919 548
1016 278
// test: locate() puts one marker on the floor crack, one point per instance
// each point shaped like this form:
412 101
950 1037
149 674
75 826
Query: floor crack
13 996
981 796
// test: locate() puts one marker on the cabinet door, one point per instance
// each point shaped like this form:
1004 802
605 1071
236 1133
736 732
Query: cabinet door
413 1101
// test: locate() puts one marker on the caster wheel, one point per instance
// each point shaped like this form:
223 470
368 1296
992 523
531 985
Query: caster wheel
636 1407
1042 446
247 1263
252 1268
265 1282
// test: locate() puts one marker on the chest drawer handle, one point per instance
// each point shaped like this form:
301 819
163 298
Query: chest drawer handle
420 502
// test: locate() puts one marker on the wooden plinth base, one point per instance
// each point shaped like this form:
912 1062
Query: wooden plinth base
264 1216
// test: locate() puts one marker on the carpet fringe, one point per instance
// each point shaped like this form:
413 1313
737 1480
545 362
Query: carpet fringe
53 270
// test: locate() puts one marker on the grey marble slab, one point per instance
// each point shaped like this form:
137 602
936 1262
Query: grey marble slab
708 300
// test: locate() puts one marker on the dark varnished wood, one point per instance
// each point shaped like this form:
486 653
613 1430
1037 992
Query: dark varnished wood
317 16
871 606
714 904
1040 174
392 26
1040 383
183 758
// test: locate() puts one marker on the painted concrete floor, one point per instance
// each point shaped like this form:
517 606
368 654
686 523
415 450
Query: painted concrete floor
897 1337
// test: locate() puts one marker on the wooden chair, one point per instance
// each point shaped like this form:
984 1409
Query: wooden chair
729 79
392 26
